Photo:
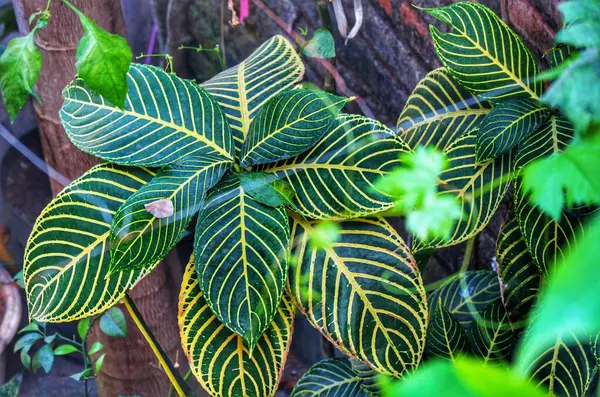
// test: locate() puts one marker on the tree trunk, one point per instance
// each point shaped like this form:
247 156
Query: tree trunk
129 367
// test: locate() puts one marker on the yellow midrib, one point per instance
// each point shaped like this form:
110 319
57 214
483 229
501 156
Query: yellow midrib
164 123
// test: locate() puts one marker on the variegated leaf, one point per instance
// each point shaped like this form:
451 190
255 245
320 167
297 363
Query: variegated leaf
466 178
336 179
138 238
491 334
546 239
506 125
219 358
242 90
364 292
518 274
558 54
446 337
67 256
288 124
240 248
164 120
370 379
332 378
483 54
439 111
566 369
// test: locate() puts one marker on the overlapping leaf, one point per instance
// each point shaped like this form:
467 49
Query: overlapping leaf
240 248
508 124
218 358
466 179
446 337
370 379
439 111
138 238
337 177
164 120
558 54
566 369
491 334
241 91
289 124
546 239
67 257
518 274
333 377
468 294
363 292
483 54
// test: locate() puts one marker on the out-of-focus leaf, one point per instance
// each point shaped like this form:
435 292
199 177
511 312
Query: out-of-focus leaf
321 45
43 358
12 387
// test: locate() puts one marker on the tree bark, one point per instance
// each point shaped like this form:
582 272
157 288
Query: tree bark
129 367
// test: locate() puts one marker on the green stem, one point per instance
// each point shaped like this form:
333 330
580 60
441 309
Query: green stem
178 383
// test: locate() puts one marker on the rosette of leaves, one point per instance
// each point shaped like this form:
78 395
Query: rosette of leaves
259 163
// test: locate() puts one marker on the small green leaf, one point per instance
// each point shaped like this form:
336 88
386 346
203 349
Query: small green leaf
50 338
63 350
12 387
83 326
34 326
324 235
20 66
333 377
82 375
19 279
26 341
113 323
321 45
267 189
99 362
103 61
96 347
43 358
465 377
25 359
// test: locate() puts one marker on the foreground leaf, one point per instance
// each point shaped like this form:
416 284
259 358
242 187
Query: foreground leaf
289 124
240 248
465 179
439 111
333 377
103 60
164 120
138 238
364 293
507 125
483 54
582 28
66 258
466 377
517 272
337 177
219 358
242 90
20 66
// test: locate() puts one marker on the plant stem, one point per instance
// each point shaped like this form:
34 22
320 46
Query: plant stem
325 18
178 383
186 377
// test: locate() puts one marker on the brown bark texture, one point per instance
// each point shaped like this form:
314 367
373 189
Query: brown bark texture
130 366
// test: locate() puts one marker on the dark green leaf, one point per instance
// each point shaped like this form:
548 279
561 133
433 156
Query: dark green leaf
483 54
289 124
491 334
113 323
20 66
83 326
43 358
33 326
26 341
333 377
559 54
12 387
370 379
506 125
336 179
465 377
439 111
267 189
64 350
25 359
165 119
244 283
446 337
103 60
518 274
140 236
321 45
